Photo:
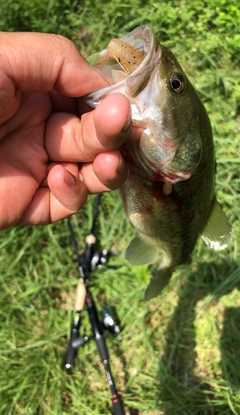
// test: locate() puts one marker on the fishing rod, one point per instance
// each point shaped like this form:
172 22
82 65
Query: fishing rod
87 262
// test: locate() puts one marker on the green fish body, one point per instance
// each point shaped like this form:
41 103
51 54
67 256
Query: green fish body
169 195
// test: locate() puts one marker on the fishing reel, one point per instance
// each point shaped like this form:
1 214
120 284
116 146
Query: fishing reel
96 258
110 319
109 322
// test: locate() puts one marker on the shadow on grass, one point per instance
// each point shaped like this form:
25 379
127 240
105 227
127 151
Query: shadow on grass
230 347
181 391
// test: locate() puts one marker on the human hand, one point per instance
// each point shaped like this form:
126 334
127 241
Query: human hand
50 160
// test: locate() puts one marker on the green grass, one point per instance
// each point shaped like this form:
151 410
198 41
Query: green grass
178 354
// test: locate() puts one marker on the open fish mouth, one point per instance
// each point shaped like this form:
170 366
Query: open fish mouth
136 68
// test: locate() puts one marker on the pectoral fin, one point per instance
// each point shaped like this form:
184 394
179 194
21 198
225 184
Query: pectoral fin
158 282
217 231
140 252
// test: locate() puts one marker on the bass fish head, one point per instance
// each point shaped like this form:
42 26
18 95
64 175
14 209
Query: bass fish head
163 101
171 145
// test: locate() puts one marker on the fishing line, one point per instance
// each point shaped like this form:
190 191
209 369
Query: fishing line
87 262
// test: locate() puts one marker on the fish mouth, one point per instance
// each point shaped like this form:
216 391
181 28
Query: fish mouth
144 42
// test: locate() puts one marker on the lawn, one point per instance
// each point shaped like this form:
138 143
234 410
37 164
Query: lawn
179 353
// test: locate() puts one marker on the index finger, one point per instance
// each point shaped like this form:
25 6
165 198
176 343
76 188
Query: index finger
41 62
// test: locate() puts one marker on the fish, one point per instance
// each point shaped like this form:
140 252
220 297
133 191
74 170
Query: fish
169 194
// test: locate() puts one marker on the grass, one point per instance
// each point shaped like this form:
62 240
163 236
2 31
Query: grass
179 353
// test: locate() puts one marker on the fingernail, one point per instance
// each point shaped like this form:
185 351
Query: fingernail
128 126
121 166
70 180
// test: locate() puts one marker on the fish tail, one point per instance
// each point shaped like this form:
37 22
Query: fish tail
159 280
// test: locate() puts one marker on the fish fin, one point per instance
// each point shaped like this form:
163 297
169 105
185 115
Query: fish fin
140 252
158 282
217 230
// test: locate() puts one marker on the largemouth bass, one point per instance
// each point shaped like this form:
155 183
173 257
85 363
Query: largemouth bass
169 195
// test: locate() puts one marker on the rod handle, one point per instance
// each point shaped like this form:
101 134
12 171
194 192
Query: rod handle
75 343
117 405
69 358
80 296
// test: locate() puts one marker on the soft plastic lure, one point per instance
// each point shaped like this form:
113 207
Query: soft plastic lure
127 57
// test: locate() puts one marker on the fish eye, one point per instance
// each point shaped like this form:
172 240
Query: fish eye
177 83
